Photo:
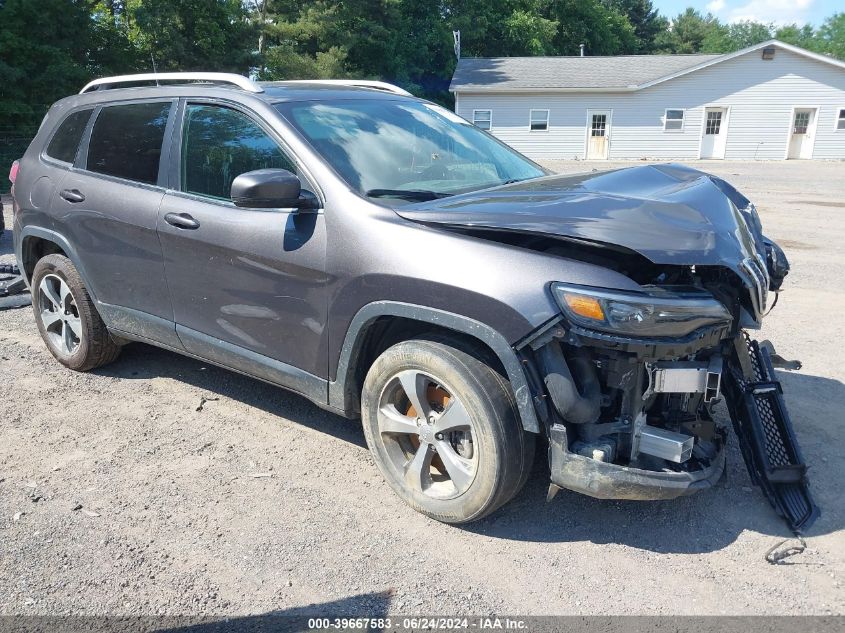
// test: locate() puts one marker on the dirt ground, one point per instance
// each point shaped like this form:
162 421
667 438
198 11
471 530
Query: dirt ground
261 502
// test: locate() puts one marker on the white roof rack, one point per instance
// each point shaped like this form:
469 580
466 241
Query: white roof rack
221 78
358 83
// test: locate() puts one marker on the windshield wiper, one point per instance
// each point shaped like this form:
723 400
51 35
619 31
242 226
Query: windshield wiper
417 195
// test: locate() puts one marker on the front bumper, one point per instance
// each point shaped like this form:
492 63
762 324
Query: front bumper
604 480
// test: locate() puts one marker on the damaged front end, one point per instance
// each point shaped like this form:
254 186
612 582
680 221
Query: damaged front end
630 417
629 382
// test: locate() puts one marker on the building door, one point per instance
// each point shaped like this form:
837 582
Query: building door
598 134
715 133
802 134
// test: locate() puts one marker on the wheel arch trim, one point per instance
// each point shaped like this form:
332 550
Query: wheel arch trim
339 394
59 240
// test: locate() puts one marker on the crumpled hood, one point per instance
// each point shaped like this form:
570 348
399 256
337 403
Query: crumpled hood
670 214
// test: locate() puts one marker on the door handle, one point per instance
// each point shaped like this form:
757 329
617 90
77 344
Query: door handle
181 221
72 195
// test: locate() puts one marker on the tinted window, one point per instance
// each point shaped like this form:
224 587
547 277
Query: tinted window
65 141
219 144
126 141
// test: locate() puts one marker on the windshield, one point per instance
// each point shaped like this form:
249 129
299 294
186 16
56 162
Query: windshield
407 150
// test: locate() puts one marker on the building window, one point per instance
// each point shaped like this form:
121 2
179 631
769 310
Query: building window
482 119
539 120
598 127
840 120
673 121
802 122
713 124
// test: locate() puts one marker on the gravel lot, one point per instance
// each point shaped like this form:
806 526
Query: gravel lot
175 518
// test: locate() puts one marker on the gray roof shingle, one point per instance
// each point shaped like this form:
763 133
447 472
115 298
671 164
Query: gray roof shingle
527 73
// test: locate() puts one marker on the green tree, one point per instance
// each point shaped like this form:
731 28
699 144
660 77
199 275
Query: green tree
725 38
602 29
830 37
687 32
803 36
404 41
192 34
49 49
527 33
646 20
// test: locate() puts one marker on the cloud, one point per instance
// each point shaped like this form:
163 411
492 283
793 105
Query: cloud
715 6
766 11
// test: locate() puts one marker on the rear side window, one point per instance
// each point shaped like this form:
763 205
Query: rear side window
219 144
126 141
65 142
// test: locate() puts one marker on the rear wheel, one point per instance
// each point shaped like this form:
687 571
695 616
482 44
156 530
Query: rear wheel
66 317
444 431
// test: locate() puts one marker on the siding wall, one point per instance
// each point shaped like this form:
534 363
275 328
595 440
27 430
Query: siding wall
760 95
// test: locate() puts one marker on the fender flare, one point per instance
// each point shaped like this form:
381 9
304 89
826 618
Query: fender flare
61 242
338 394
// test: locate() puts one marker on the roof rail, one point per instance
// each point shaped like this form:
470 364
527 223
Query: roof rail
221 78
358 83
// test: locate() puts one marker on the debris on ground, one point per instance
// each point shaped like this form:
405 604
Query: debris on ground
203 400
90 513
13 290
777 554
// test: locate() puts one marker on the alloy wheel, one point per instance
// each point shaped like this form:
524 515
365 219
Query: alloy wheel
59 315
428 435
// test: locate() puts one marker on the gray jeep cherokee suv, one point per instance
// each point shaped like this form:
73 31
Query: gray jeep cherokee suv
387 260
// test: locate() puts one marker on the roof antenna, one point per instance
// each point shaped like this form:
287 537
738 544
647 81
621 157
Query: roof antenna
155 72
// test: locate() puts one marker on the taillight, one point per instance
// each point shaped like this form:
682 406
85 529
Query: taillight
13 172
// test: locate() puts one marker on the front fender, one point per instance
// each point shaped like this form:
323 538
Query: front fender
340 396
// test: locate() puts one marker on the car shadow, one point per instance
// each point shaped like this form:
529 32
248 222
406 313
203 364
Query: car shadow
704 522
373 606
140 361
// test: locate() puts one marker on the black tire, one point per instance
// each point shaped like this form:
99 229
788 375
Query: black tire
505 452
94 347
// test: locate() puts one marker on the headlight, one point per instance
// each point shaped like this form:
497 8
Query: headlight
655 313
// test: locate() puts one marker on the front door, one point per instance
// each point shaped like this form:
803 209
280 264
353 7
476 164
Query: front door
715 133
248 285
598 134
801 136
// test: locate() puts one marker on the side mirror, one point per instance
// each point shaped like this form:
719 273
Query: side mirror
270 189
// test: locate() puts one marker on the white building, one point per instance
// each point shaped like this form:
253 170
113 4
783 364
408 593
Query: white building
769 101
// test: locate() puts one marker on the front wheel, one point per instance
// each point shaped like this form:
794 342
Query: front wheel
443 428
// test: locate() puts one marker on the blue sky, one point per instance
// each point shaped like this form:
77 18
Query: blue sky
779 11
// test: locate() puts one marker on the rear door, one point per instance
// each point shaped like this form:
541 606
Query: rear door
108 207
248 285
